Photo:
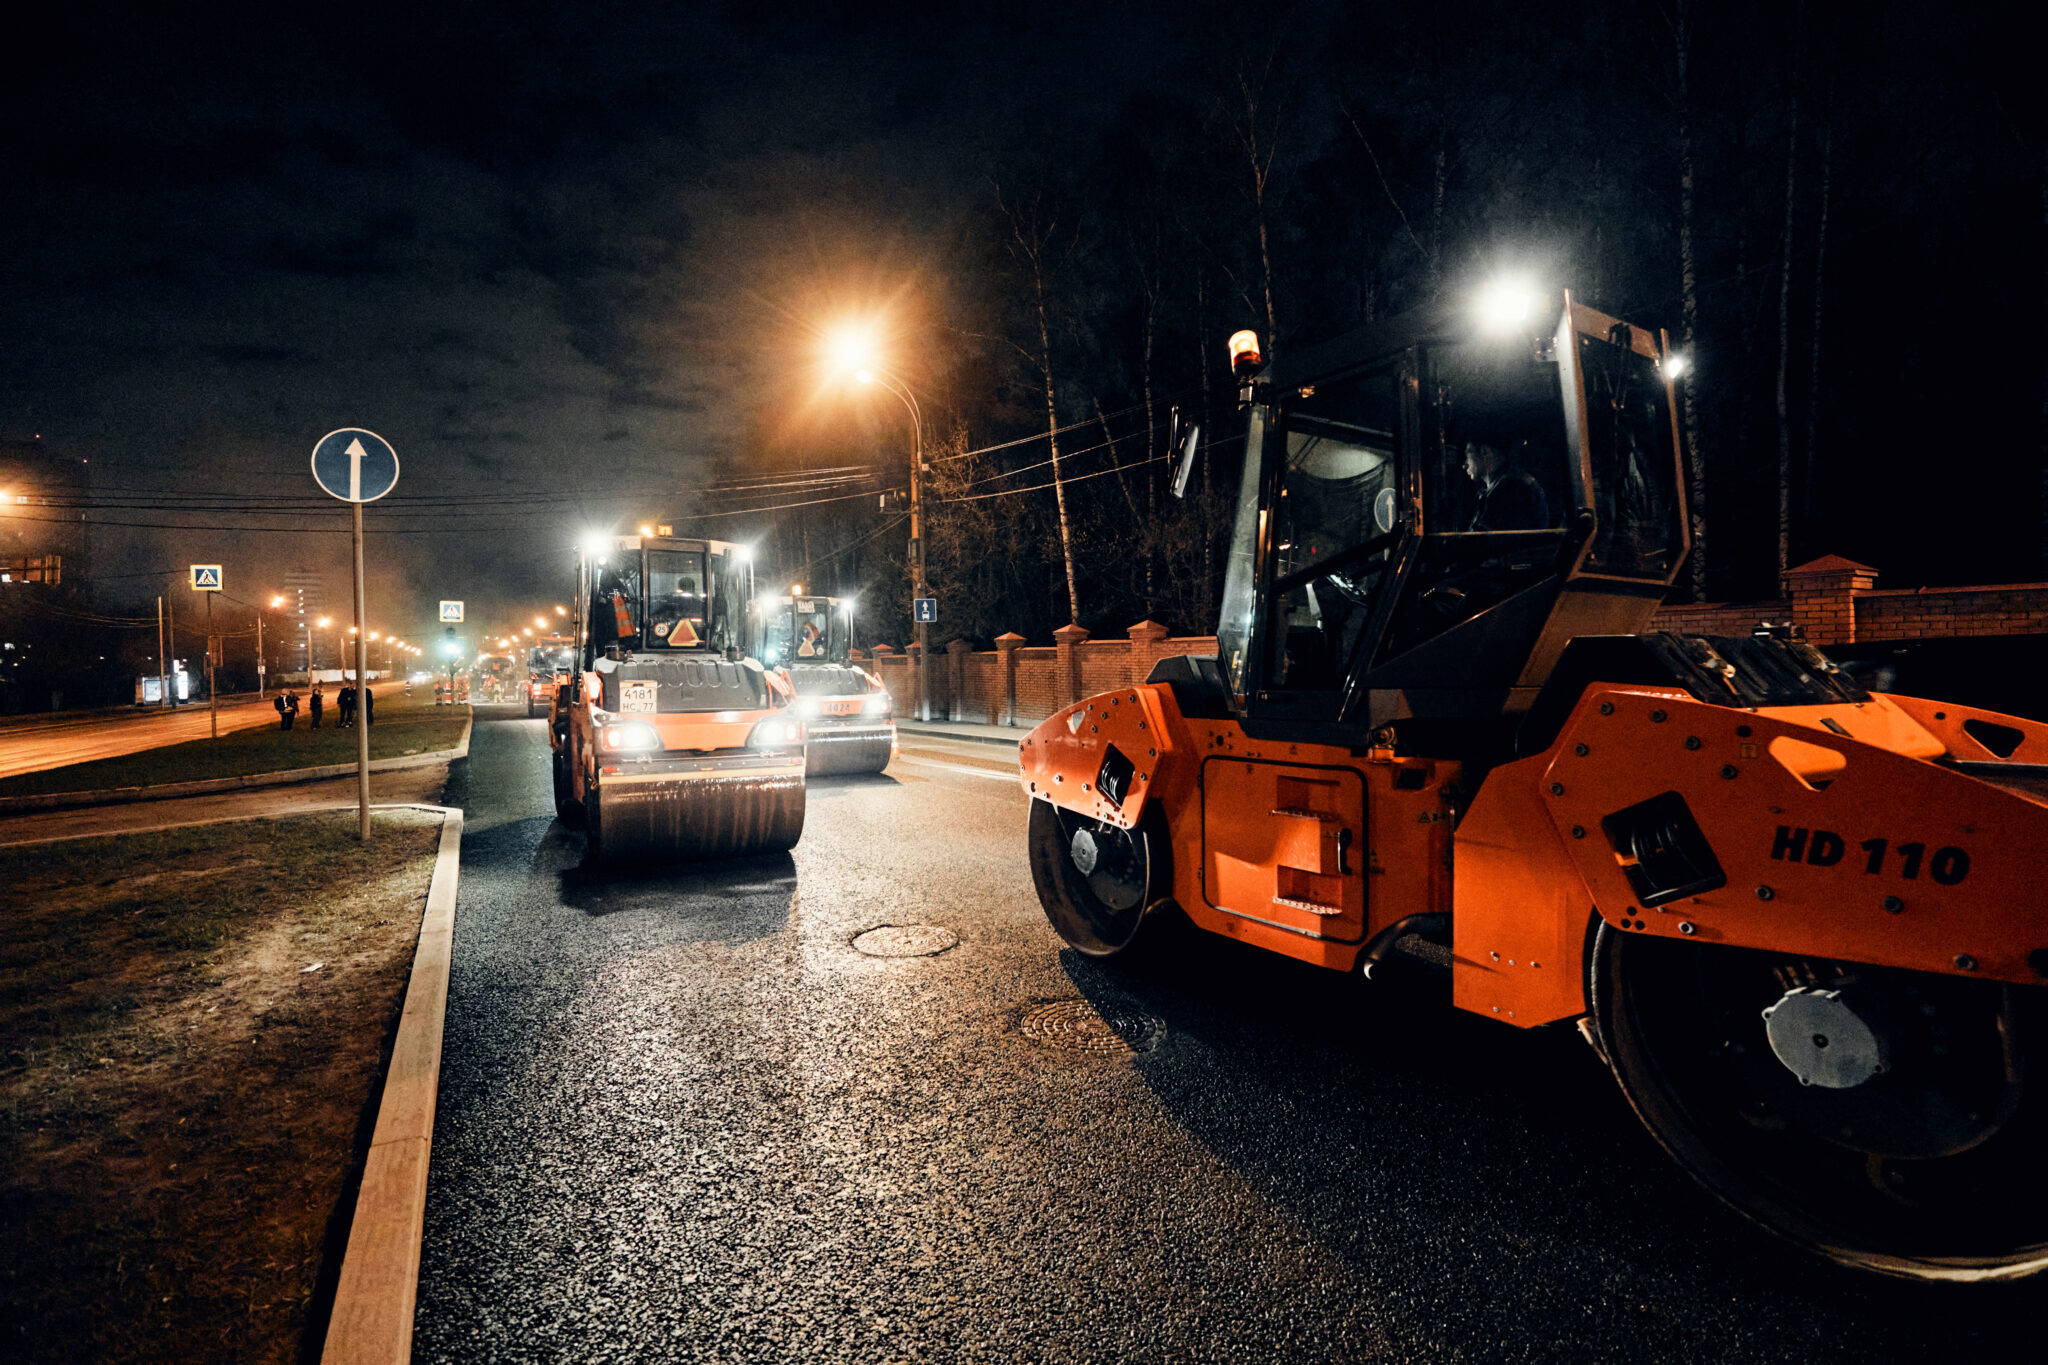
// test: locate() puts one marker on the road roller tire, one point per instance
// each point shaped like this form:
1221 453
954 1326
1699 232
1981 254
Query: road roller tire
1102 888
1925 1160
693 818
567 808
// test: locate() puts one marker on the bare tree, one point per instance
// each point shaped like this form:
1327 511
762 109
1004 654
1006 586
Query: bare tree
1785 306
1034 236
1681 22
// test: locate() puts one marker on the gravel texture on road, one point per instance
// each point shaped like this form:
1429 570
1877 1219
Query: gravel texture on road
683 1117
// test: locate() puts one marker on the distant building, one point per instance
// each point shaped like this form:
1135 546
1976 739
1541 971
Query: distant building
309 590
42 515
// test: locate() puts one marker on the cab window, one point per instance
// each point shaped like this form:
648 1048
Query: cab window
1499 486
1337 514
1629 441
676 602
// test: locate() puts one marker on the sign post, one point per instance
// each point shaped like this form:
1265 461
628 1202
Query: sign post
206 579
357 466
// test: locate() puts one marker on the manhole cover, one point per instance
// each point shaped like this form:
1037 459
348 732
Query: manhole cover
1077 1026
905 940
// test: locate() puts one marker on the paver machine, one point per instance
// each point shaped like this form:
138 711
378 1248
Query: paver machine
550 663
672 740
849 720
1802 923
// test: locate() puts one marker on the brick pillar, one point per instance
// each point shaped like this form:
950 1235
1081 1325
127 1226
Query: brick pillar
1823 595
1006 661
914 652
880 654
956 704
1066 637
1146 637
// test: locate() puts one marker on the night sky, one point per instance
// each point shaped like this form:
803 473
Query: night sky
574 261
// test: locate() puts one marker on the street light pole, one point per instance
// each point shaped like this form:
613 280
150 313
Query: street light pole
919 585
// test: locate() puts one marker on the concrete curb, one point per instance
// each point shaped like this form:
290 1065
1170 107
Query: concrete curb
941 732
116 796
380 1272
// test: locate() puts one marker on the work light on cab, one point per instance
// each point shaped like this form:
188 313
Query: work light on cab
1244 352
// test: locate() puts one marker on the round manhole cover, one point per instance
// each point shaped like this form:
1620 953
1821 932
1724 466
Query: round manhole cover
905 940
1077 1026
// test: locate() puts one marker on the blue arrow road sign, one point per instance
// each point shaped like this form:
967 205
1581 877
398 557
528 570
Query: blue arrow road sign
355 465
925 608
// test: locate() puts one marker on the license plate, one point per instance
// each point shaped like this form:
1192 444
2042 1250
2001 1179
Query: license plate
842 708
637 695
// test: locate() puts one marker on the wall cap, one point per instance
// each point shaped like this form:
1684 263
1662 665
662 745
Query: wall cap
1070 634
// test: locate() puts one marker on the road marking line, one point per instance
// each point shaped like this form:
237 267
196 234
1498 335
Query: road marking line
958 768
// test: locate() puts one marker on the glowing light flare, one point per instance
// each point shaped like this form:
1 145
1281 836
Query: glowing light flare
1244 351
1675 365
849 346
1505 303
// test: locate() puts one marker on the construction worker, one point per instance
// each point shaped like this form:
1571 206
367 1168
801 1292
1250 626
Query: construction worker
314 705
1504 499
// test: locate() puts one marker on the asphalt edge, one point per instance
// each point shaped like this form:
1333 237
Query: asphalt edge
379 1286
287 777
942 732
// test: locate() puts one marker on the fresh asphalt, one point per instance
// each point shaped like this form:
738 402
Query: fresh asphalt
682 1118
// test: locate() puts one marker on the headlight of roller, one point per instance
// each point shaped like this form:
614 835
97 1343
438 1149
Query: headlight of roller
630 736
877 704
807 707
780 733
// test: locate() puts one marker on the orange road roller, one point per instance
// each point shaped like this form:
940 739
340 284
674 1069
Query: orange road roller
671 740
1803 923
849 721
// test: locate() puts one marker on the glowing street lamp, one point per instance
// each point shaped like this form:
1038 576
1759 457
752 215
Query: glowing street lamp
919 586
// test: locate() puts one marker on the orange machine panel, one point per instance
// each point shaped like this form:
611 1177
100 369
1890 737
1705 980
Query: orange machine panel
1283 843
1821 839
1099 757
1520 909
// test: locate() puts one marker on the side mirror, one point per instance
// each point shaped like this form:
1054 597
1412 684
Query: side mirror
1187 461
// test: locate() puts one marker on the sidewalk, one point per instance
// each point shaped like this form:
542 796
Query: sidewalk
408 786
960 729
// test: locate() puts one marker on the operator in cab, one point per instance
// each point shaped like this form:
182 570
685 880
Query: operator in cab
675 617
1504 498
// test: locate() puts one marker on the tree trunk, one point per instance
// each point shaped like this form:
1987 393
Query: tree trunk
1151 476
1785 316
1052 435
1820 259
1689 292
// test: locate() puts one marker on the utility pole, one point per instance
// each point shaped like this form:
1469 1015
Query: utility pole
171 635
212 648
163 663
919 586
261 666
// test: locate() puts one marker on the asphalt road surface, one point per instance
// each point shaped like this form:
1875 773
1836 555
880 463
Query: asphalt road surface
32 746
682 1117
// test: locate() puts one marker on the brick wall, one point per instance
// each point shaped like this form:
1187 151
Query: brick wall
1834 600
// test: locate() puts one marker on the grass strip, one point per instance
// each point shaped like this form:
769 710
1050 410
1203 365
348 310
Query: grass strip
185 1096
405 725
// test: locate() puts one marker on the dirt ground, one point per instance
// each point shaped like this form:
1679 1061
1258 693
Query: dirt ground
193 1028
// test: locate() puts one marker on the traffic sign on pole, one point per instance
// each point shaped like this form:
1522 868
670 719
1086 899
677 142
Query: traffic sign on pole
355 465
451 611
925 609
206 578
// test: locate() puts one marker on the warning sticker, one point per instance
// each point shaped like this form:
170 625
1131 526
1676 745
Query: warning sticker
637 694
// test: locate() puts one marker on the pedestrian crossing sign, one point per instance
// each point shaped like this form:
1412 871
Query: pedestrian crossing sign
451 611
206 578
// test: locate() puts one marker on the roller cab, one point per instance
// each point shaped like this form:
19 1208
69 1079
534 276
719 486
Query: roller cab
1801 922
673 740
550 663
849 720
